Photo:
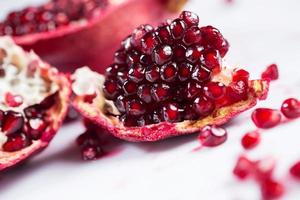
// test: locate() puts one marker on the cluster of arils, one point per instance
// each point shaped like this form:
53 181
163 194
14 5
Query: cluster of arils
50 16
21 129
166 74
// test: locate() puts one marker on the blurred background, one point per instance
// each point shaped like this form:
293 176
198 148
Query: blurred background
260 32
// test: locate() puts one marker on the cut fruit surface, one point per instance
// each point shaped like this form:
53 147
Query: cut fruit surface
155 94
33 103
60 29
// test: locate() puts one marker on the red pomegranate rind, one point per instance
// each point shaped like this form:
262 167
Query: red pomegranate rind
55 114
94 41
95 111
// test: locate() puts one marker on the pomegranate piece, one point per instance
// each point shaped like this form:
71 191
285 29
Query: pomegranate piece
264 168
49 29
251 140
172 82
266 117
295 170
272 189
271 73
243 168
290 108
211 136
29 120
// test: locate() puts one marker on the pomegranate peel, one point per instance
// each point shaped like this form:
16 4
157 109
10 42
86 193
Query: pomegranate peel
53 103
59 46
96 111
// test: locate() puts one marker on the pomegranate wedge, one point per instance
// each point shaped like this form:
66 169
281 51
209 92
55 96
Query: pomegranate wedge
90 29
33 102
166 81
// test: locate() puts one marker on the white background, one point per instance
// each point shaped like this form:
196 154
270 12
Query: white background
260 32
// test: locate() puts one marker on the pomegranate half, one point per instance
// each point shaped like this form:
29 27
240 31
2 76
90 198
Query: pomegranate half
34 99
74 33
166 81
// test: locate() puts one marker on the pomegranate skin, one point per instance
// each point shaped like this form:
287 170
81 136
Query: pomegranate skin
94 43
58 112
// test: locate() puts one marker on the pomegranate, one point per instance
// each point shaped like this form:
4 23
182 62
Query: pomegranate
295 170
251 140
266 117
271 73
243 168
34 101
212 136
272 189
169 81
290 108
60 29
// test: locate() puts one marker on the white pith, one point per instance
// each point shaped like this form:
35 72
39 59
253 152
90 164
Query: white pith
33 89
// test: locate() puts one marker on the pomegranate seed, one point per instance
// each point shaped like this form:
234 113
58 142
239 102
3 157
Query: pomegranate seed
13 100
129 87
192 35
135 107
212 60
111 89
238 91
190 19
179 52
12 122
240 75
160 92
121 103
271 73
120 57
15 143
189 113
295 170
36 128
184 71
138 33
34 111
128 120
133 58
168 72
113 70
264 169
251 140
203 106
265 117
201 74
91 152
214 90
149 41
177 28
162 54
192 89
243 168
152 74
211 136
164 34
171 112
271 189
290 108
193 53
136 73
144 93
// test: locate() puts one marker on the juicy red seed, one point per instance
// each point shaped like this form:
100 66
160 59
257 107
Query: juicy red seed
215 39
128 120
160 92
120 57
266 117
214 90
212 59
168 72
15 143
190 18
136 73
111 89
250 140
177 28
194 53
179 52
271 189
149 41
122 77
203 106
35 128
137 35
164 34
13 100
192 90
295 170
264 169
121 103
240 75
162 54
238 91
189 113
211 136
201 74
157 116
12 122
184 71
91 152
133 58
135 107
192 36
152 74
144 93
113 70
171 113
290 108
34 111
243 168
145 60
271 73
129 87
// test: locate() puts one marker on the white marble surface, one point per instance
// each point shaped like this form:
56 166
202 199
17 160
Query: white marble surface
260 32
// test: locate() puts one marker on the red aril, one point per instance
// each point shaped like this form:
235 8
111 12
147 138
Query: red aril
243 168
295 170
271 73
290 108
251 139
212 136
266 117
272 189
